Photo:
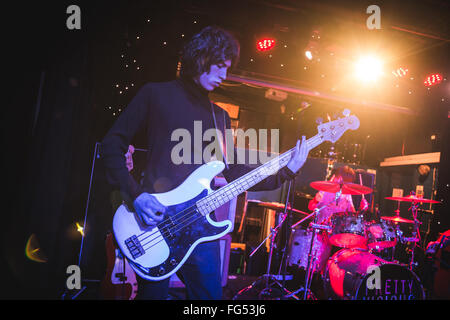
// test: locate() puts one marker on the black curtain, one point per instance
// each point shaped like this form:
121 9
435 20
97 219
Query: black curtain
51 124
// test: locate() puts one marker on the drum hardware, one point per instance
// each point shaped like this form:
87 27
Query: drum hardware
311 263
320 227
415 203
266 278
268 292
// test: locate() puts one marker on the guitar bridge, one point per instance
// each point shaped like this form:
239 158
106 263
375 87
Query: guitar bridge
134 246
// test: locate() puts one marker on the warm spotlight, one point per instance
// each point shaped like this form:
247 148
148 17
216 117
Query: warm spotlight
308 55
368 69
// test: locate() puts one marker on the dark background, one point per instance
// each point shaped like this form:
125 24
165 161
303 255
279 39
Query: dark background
61 98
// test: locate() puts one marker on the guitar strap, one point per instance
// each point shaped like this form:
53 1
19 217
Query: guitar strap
222 143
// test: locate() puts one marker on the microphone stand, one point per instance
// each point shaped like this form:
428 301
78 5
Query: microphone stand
315 226
283 264
273 233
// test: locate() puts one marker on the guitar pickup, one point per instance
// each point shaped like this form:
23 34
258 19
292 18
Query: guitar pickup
134 246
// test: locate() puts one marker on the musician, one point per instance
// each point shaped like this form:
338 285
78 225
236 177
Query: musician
342 204
159 109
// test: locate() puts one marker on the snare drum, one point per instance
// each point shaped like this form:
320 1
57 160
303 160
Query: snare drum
348 230
381 235
352 274
300 244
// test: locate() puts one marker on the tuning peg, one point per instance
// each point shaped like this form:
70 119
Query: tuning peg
346 112
319 120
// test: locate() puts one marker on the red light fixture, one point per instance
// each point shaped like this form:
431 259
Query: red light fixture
433 79
265 44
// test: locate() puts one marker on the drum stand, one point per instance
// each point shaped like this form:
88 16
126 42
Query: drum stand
267 292
309 272
416 238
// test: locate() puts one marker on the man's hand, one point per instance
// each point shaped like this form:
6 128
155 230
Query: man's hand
149 209
299 156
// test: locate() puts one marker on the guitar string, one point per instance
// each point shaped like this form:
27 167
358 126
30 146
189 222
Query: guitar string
201 216
183 226
178 222
175 219
268 164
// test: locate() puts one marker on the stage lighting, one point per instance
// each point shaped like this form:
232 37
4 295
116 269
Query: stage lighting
368 69
265 44
308 55
432 80
400 72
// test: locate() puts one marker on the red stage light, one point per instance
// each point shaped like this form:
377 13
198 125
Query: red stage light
433 79
265 44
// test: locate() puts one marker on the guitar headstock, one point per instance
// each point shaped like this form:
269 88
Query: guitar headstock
333 130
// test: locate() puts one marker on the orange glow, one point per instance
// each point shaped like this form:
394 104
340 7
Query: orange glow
32 250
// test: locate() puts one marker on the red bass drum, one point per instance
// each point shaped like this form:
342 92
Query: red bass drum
359 275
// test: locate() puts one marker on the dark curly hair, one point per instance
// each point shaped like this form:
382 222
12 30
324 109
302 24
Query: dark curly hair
212 45
347 173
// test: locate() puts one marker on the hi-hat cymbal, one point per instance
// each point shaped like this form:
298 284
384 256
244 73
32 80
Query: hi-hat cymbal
412 198
397 219
347 188
275 206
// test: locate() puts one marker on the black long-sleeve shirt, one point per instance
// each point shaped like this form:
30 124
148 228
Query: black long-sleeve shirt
159 109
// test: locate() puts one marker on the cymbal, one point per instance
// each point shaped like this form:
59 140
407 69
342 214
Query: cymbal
412 198
397 219
347 188
275 206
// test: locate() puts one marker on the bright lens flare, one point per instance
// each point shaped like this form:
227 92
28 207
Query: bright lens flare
80 229
368 69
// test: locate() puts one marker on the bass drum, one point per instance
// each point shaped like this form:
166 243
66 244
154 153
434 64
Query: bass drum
353 273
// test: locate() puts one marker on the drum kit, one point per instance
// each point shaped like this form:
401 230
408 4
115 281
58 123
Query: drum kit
357 270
